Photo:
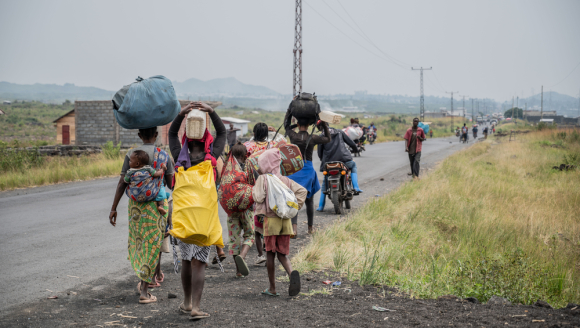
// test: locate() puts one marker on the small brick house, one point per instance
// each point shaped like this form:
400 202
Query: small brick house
93 123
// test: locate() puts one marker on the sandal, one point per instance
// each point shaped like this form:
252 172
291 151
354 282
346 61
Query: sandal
242 266
199 316
222 258
294 288
162 278
267 292
151 299
183 310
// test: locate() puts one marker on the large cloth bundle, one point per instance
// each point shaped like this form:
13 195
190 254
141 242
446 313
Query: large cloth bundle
291 159
235 192
353 132
195 207
424 126
146 103
143 187
281 199
305 106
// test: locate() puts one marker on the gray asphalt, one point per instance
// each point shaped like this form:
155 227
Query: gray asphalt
55 238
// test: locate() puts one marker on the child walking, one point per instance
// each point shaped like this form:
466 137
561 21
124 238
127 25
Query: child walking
277 231
235 196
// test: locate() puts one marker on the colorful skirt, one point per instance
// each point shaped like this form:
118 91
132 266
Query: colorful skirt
146 232
307 178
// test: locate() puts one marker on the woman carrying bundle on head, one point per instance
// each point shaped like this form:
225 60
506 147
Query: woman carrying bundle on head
195 214
306 177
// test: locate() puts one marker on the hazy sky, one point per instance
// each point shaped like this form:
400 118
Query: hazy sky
495 49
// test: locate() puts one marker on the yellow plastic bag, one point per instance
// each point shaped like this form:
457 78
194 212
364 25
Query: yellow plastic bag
195 207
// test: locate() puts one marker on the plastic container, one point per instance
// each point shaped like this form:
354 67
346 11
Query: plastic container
330 117
196 124
353 133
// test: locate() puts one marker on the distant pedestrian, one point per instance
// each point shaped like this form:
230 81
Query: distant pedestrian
414 138
232 135
277 231
431 133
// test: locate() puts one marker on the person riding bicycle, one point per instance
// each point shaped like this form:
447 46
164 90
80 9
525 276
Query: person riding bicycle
336 151
464 131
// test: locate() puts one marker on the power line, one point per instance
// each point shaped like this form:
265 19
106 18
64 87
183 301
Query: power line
566 76
364 35
360 45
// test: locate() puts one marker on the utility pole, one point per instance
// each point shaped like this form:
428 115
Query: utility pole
472 117
422 105
452 92
517 106
512 108
542 105
464 108
297 85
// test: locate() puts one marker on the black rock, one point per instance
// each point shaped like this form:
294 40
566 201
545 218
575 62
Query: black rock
472 300
571 305
169 295
496 300
543 304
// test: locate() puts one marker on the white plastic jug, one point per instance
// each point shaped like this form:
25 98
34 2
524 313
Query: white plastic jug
330 117
195 124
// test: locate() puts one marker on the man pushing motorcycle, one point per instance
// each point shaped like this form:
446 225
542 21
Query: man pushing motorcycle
336 151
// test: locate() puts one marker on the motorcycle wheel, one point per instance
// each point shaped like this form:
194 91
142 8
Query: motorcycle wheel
337 203
347 204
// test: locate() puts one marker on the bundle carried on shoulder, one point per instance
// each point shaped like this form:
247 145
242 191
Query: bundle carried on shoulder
281 199
235 191
305 106
291 160
353 132
146 103
143 187
424 126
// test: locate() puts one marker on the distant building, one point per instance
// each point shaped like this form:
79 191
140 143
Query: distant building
65 128
539 113
6 102
238 124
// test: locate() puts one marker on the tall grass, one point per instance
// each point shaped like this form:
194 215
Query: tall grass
494 219
62 169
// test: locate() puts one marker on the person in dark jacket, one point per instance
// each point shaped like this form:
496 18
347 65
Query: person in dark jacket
336 151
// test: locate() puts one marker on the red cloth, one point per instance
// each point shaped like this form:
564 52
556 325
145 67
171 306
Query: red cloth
235 192
420 133
278 244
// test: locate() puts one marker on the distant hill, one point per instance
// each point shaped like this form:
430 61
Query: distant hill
229 87
51 92
563 104
226 87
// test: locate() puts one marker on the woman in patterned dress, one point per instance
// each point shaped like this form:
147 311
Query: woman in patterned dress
195 257
146 224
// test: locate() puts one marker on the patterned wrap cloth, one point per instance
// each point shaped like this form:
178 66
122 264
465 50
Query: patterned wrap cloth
146 232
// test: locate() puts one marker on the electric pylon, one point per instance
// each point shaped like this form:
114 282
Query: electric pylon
422 105
297 87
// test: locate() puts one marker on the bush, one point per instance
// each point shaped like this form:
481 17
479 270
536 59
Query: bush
111 151
18 160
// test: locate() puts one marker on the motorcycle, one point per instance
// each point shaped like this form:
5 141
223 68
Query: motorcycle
338 186
371 136
359 148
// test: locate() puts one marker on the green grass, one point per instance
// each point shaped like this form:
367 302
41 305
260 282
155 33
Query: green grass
494 219
31 121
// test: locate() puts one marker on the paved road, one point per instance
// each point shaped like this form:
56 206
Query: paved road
59 237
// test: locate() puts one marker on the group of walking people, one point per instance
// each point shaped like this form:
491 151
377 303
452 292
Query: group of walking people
240 189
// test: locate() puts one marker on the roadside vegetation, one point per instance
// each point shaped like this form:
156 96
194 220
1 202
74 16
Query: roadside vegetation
31 121
495 219
21 168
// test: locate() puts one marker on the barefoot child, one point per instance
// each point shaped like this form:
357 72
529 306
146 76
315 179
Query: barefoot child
277 231
138 164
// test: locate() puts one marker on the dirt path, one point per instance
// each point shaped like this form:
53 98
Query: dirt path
234 302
